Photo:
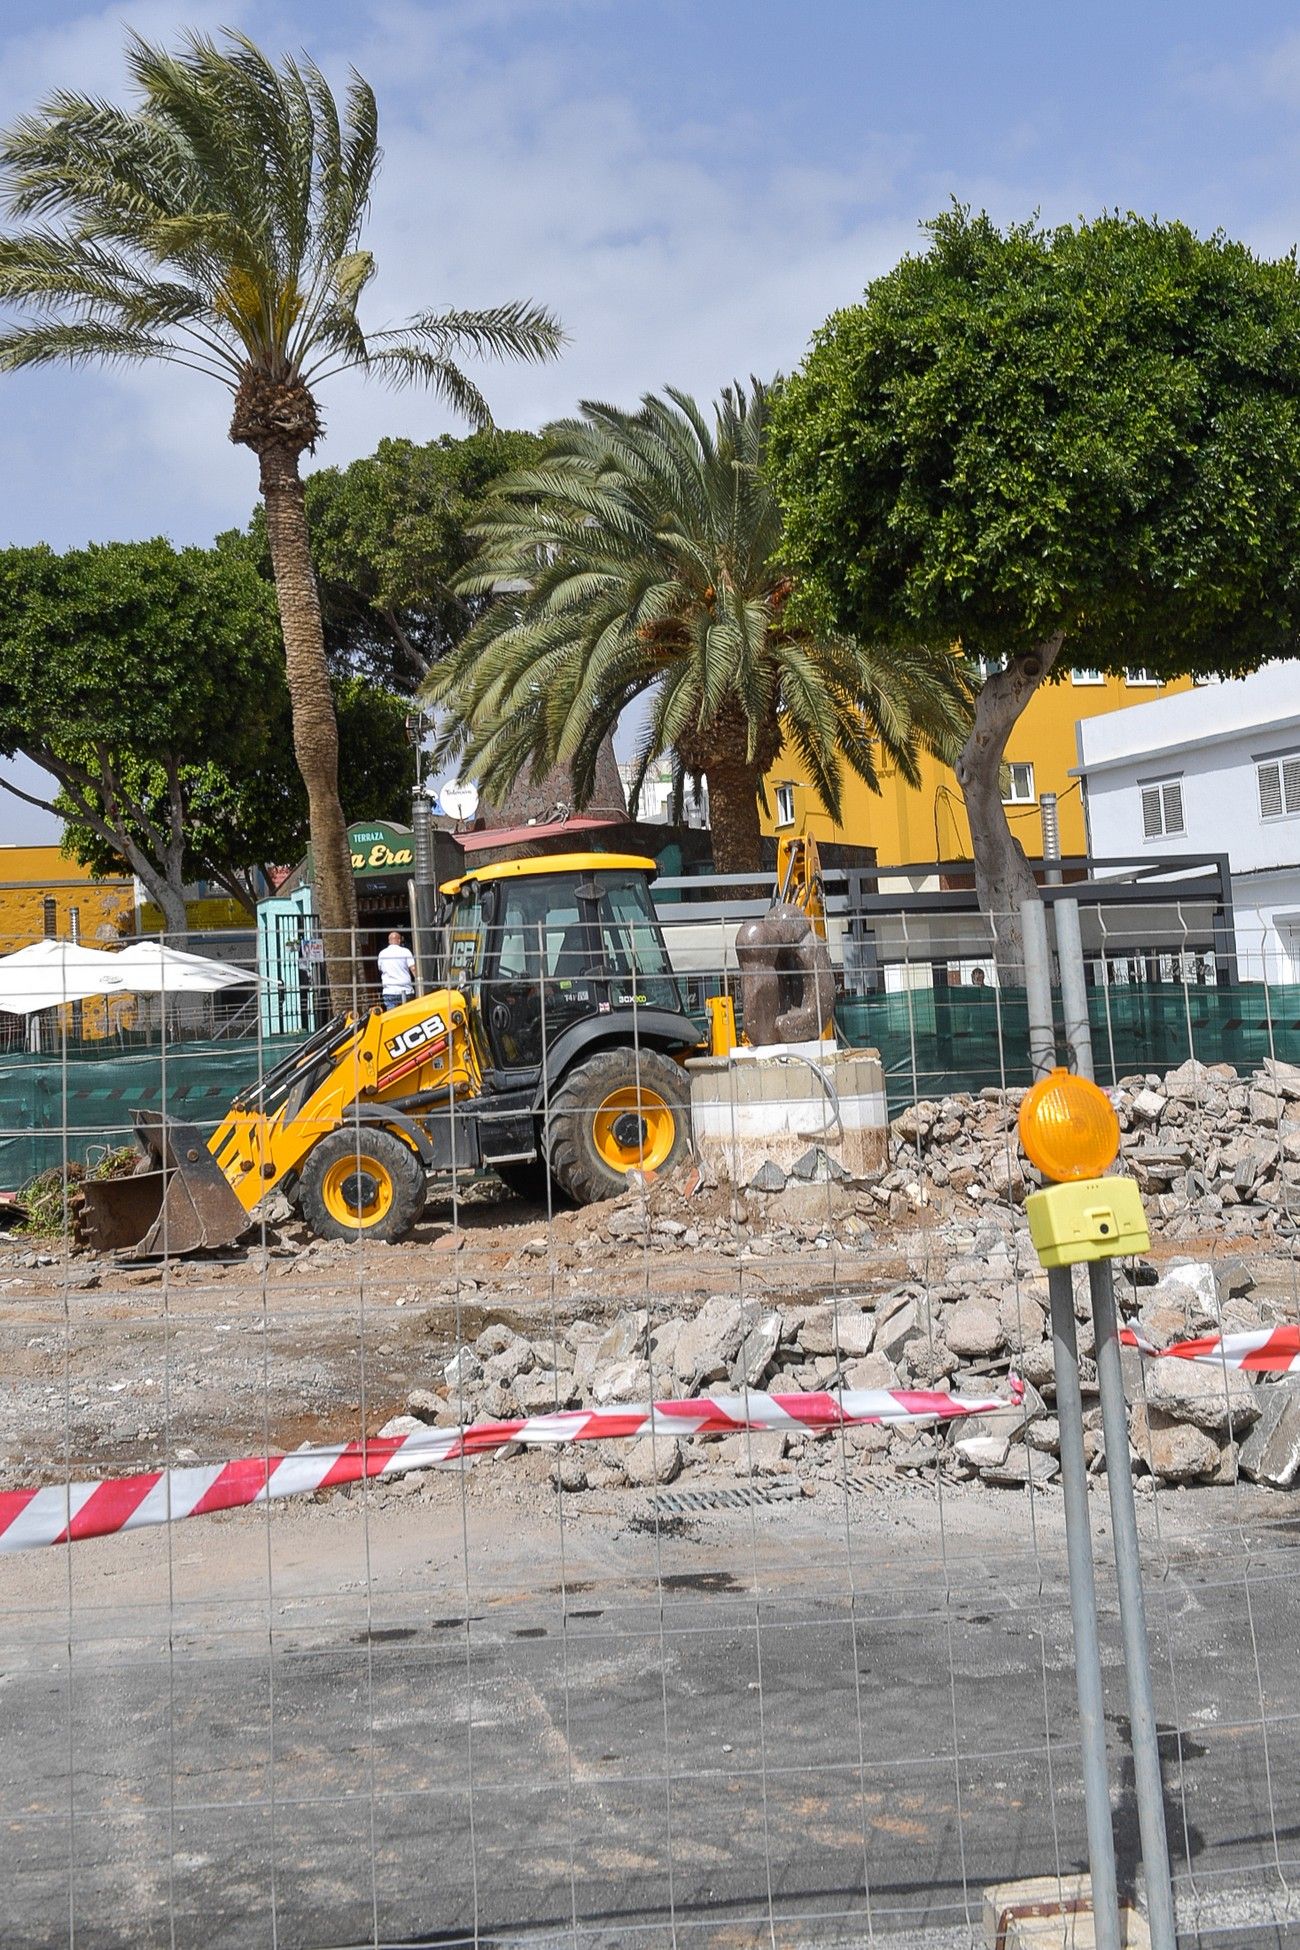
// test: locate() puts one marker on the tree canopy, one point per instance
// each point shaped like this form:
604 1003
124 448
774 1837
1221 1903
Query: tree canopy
1052 447
389 535
646 550
242 820
129 662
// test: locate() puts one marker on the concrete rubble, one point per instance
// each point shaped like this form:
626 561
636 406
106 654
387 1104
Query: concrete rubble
965 1330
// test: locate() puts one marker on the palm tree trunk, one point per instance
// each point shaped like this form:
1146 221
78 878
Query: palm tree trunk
733 813
315 728
1002 874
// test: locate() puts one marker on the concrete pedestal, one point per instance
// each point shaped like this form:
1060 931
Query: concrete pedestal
777 1103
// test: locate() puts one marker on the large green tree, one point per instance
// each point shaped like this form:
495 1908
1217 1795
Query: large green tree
130 672
243 818
646 553
218 226
1077 446
389 536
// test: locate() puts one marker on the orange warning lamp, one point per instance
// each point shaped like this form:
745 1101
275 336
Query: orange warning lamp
1068 1127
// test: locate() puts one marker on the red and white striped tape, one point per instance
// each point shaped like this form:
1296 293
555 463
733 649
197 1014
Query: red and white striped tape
1260 1350
66 1512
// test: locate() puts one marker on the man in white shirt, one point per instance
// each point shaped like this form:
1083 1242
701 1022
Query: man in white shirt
396 972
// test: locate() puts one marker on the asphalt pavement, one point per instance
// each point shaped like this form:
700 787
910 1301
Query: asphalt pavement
514 1719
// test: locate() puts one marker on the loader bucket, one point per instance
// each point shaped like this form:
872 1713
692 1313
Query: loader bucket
176 1201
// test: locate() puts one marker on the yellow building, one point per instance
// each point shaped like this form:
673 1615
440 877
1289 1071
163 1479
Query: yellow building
32 876
909 824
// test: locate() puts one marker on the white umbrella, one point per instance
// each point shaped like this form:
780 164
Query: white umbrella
150 968
50 972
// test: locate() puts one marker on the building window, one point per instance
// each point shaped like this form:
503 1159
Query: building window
989 666
1020 786
1143 677
785 805
1162 809
1086 677
1279 786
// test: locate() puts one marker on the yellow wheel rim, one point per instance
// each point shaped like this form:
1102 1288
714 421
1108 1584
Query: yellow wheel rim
357 1191
634 1129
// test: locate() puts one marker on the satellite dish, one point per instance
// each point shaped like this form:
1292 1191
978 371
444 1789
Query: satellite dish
459 801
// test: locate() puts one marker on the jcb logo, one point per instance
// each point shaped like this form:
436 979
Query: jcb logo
416 1036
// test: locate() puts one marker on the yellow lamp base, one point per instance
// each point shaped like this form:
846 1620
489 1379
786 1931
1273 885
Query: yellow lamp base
1089 1218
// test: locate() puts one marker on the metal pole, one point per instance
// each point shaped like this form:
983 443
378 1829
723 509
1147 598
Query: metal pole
1132 1612
1074 986
1038 987
1083 1611
1051 838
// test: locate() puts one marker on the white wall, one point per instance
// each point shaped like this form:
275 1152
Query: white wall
1210 739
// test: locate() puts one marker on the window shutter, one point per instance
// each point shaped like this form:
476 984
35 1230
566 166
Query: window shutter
1172 795
1270 789
1291 784
1152 824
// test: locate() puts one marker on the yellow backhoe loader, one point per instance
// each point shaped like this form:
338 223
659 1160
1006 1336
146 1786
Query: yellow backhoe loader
554 1047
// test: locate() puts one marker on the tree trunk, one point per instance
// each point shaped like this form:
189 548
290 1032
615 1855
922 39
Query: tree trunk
171 903
733 813
1002 875
315 728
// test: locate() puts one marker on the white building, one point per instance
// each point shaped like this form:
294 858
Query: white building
1212 770
655 805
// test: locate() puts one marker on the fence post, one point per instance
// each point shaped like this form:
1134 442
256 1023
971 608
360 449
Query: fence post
1132 1612
1074 985
1074 1485
1119 1477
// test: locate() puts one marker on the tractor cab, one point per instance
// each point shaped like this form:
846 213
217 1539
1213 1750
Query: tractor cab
540 946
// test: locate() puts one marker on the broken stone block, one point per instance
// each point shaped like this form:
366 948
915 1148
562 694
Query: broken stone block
544 1391
908 1320
926 1359
873 1371
707 1345
654 1459
1178 1452
464 1370
402 1425
983 1451
622 1381
513 1360
768 1178
1191 1286
844 1329
624 1339
753 1452
422 1402
1149 1106
974 1329
1022 1465
1270 1454
757 1352
1211 1398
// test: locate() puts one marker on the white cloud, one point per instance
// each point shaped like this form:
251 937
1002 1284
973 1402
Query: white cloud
682 254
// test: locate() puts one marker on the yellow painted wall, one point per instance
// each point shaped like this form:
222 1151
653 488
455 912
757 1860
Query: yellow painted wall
906 823
202 916
29 873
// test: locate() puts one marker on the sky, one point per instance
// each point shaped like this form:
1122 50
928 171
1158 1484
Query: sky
691 185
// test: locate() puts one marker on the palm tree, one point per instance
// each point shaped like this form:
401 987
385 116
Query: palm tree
645 552
217 226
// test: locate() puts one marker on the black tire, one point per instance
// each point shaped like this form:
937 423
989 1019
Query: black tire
594 1140
384 1199
526 1178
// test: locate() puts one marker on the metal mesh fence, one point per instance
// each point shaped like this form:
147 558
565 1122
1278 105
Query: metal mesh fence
798 1679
